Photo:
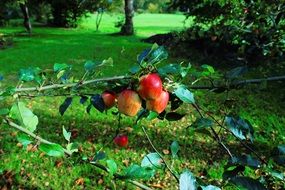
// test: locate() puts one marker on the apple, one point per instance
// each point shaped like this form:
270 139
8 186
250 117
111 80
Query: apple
158 105
109 99
150 86
129 102
121 140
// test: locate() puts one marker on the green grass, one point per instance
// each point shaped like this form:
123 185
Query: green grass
74 46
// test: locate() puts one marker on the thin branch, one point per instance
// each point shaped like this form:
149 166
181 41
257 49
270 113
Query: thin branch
152 145
121 177
20 128
69 85
244 144
216 136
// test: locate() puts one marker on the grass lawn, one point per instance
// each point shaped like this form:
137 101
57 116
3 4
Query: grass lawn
29 169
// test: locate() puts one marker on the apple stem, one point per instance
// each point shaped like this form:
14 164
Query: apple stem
154 148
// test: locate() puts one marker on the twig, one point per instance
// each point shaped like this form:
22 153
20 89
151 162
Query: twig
68 85
121 177
244 144
152 145
216 136
20 128
12 124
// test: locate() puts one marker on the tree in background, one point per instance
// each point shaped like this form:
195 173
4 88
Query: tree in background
250 27
128 26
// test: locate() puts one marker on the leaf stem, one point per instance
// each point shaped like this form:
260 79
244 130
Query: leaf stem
154 148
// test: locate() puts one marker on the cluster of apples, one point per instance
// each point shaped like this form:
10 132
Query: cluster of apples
149 89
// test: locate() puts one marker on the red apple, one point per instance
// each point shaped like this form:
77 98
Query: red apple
150 86
109 99
159 104
121 140
129 102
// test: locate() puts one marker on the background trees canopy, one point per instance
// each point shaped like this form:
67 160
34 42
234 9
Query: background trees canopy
249 27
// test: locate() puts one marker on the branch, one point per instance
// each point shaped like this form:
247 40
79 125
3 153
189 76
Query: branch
68 85
236 84
121 177
216 136
152 145
20 128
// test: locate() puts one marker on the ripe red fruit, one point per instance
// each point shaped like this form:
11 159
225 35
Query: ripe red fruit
121 140
129 102
150 86
159 104
109 99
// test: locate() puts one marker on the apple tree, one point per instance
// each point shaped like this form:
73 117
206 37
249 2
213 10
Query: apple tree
150 90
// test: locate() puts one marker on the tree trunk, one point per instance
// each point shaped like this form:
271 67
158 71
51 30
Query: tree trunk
128 27
27 22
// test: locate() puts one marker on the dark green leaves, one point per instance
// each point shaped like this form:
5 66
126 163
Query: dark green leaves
240 128
245 160
60 67
112 167
24 116
187 181
202 123
279 154
63 107
248 183
99 156
236 72
30 74
152 56
173 116
97 102
184 94
152 160
138 172
24 139
66 134
4 111
54 150
174 147
90 66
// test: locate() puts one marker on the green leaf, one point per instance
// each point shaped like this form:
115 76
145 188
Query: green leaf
137 172
112 166
134 69
29 74
24 116
245 160
209 68
240 128
173 116
99 156
202 123
184 94
210 187
279 154
187 181
54 150
157 54
108 62
169 69
24 139
66 134
174 147
72 147
90 66
248 183
57 67
63 107
152 160
152 115
4 111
